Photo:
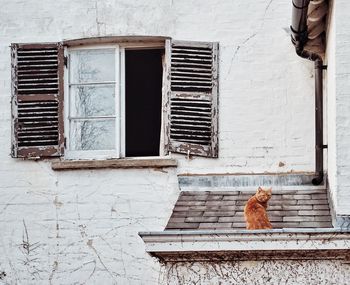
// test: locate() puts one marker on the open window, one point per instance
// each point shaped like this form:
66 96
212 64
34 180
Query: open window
113 99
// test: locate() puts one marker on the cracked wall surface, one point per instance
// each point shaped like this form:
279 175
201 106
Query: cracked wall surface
266 94
312 272
80 227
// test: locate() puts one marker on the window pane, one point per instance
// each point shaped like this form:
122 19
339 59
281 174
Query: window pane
93 65
92 134
96 100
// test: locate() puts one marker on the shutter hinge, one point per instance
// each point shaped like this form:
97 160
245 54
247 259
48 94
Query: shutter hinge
65 61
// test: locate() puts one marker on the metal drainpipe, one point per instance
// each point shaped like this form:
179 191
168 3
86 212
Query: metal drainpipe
299 39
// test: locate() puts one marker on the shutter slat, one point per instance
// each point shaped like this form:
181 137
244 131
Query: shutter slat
37 71
181 68
193 98
183 77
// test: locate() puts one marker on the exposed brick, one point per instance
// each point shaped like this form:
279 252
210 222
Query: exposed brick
297 207
320 207
240 208
182 226
219 214
230 198
275 207
319 196
201 219
284 210
215 197
187 214
241 197
299 219
302 192
314 213
190 203
297 197
323 218
275 218
181 209
279 225
231 219
212 208
312 202
176 220
196 208
282 202
282 213
214 225
221 203
193 198
315 225
226 193
239 225
214 203
228 208
194 193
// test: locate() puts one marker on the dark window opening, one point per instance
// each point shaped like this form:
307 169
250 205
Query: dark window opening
143 100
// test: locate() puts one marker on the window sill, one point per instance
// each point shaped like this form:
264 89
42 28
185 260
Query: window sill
114 163
248 244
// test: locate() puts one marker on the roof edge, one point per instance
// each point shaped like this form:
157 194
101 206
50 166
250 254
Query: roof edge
248 245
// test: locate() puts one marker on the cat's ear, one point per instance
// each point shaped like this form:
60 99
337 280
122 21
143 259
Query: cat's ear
260 189
270 190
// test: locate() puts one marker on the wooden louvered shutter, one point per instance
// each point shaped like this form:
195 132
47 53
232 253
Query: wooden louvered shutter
193 98
37 100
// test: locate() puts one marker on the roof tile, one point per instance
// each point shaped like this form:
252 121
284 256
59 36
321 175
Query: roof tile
224 210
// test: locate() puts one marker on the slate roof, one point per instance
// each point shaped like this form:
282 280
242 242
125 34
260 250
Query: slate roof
196 210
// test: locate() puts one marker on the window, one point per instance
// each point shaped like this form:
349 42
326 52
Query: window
93 103
114 99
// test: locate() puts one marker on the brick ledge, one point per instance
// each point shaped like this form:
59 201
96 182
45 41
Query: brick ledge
114 163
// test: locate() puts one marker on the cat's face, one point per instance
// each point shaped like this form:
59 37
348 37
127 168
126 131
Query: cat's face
263 195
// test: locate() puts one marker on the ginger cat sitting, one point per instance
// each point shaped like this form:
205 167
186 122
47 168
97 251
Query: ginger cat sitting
255 210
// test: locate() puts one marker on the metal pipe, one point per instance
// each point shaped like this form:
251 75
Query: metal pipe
318 121
299 39
299 22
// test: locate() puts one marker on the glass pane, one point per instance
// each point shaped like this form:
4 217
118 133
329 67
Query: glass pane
93 134
95 100
93 65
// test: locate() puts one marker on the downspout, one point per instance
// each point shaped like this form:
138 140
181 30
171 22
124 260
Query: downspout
299 39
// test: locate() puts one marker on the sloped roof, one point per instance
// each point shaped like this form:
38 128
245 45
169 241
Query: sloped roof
198 210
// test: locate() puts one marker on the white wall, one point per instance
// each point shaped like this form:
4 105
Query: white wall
330 100
342 107
266 91
82 225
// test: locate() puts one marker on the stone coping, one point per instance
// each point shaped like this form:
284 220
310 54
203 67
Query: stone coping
248 244
154 162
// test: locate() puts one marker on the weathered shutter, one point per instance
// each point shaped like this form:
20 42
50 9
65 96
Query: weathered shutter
37 100
193 98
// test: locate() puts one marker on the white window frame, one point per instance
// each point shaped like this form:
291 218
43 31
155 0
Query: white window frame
119 150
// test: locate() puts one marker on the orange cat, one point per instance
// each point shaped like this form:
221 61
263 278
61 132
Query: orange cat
255 210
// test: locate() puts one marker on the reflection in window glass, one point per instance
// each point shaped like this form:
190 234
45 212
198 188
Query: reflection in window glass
95 100
92 100
92 65
92 134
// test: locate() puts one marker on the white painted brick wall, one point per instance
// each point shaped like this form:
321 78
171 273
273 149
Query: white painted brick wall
82 225
340 157
330 102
